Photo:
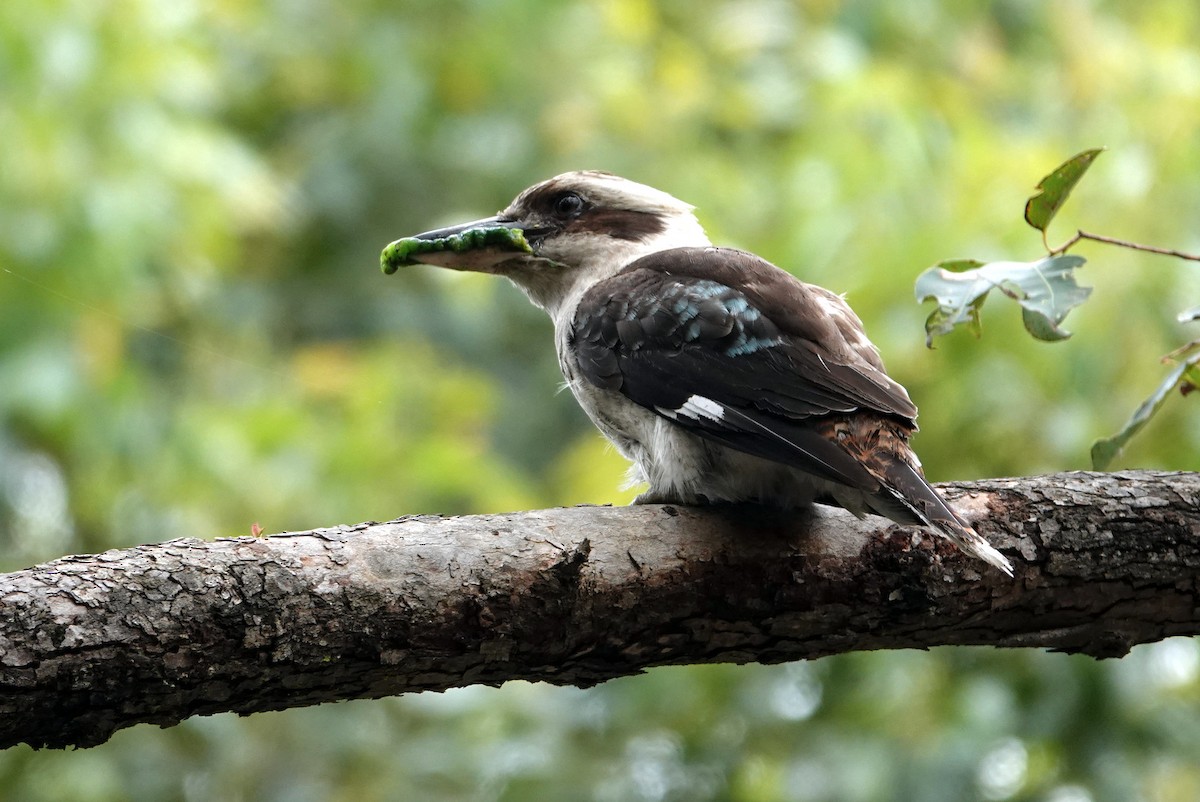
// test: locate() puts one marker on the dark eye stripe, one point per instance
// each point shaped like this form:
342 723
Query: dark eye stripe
624 224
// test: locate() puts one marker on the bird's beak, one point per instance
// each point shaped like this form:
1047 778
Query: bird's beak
480 246
454 231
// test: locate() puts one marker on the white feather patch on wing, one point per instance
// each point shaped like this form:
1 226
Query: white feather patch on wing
696 408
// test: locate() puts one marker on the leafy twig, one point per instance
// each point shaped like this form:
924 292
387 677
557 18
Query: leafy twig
1046 291
1183 375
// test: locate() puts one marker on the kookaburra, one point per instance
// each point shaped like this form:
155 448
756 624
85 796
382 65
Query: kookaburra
721 377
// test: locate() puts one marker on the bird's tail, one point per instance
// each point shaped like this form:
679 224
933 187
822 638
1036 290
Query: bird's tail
926 504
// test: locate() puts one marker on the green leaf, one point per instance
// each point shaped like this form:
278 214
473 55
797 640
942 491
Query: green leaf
1041 327
1045 289
1056 187
956 305
1105 450
960 265
1191 380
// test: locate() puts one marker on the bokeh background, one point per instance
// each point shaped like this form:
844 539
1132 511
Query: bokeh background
195 337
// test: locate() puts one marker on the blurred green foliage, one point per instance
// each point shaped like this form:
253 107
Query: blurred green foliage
195 336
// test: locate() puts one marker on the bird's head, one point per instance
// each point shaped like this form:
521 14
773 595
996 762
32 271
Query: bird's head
559 236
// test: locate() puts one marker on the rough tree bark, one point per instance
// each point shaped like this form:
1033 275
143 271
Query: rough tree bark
92 644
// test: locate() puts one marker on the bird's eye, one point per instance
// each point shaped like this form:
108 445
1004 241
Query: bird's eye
568 205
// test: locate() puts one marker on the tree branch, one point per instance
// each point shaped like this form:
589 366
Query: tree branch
92 644
1080 234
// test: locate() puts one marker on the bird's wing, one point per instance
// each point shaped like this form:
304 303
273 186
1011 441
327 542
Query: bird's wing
738 351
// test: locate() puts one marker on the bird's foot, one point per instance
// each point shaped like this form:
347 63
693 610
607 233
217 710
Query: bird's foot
653 496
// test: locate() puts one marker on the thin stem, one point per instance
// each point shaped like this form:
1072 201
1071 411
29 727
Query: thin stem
1080 235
